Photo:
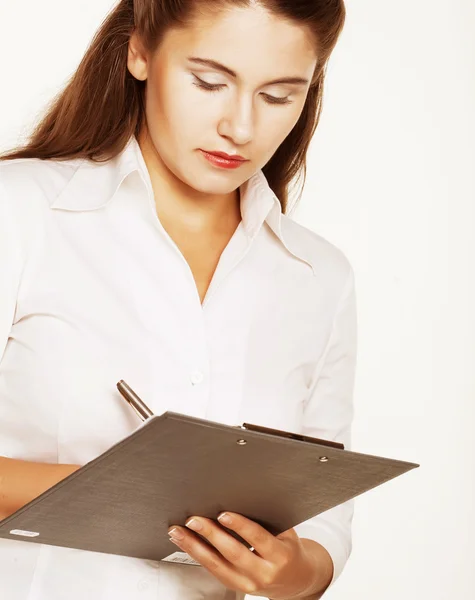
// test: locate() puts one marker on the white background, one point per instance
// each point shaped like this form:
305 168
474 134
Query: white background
391 182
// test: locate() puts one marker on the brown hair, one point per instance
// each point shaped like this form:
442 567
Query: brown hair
102 105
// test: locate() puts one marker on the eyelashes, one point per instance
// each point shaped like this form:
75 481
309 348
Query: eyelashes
217 87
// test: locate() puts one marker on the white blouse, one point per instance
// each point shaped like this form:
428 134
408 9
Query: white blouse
93 290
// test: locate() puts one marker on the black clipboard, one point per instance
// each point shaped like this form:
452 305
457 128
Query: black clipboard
175 465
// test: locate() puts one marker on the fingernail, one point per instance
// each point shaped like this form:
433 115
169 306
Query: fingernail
176 533
194 524
224 518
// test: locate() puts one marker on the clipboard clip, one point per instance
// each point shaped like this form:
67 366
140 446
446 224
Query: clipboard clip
291 435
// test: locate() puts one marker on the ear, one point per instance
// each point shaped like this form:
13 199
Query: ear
137 59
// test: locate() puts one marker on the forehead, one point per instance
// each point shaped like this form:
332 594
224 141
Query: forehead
248 40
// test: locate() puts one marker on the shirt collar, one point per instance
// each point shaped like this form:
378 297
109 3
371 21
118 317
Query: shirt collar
94 184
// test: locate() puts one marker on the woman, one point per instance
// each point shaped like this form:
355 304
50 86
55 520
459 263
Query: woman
130 250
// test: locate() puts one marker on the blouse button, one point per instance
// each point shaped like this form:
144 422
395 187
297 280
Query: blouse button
196 377
143 584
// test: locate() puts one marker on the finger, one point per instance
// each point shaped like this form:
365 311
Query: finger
212 560
266 545
235 552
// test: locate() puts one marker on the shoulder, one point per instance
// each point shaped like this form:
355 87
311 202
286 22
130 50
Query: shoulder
328 261
27 189
33 182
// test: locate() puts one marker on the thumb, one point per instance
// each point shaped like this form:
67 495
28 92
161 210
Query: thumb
288 535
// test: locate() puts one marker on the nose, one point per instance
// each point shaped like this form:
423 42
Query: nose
237 124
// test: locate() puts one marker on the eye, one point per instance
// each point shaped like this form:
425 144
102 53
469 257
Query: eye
216 87
211 87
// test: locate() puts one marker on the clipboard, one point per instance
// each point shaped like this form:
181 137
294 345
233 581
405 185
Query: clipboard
174 466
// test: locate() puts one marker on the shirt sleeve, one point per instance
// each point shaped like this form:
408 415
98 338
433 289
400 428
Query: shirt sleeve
10 268
328 414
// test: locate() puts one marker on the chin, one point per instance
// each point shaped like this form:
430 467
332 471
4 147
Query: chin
215 188
212 184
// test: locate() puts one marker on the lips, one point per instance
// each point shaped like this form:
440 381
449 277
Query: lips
227 156
221 162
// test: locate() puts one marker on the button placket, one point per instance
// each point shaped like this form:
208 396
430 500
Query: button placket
196 377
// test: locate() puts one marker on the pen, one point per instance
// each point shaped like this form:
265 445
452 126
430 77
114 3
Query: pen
135 402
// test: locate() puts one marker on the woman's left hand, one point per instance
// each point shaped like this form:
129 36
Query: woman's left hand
279 567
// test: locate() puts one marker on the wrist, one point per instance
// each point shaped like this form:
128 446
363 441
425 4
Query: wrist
320 566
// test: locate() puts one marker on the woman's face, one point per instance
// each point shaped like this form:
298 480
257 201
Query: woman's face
245 114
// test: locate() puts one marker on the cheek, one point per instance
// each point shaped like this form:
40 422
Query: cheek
165 113
285 119
275 128
188 111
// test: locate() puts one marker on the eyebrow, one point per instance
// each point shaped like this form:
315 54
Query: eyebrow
219 67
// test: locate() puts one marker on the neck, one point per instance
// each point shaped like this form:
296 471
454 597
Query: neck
183 207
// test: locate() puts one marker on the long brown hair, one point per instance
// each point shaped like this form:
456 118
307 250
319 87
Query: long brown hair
102 105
